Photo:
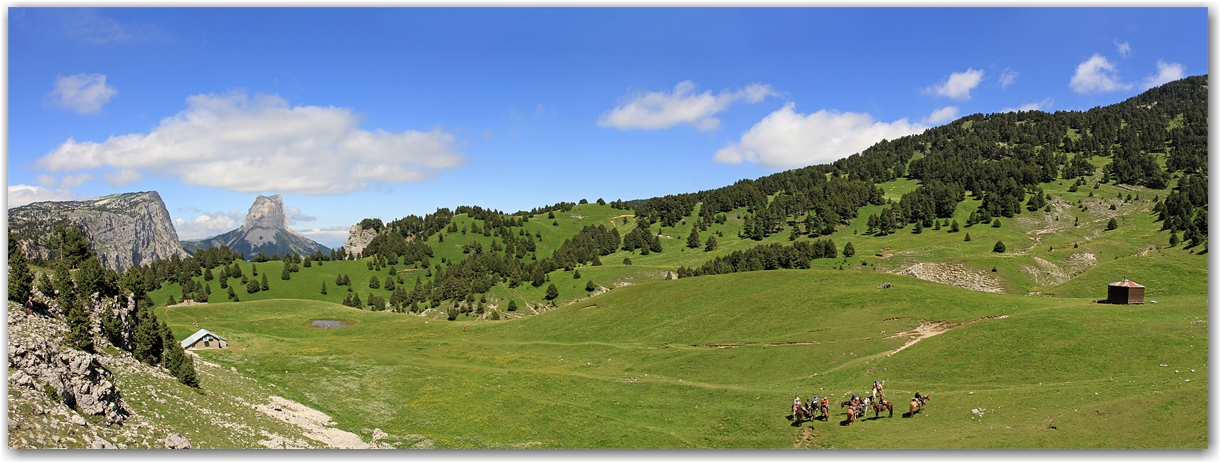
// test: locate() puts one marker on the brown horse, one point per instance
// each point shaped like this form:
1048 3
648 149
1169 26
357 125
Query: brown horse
799 414
917 404
824 408
879 405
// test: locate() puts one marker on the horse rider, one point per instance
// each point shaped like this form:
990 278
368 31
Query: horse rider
877 391
796 403
919 397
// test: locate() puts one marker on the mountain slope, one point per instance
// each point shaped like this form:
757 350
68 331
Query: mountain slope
124 230
265 230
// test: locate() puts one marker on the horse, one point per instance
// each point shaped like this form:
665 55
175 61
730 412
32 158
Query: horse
917 404
823 407
882 404
799 414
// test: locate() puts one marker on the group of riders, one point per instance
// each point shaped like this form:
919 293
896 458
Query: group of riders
856 406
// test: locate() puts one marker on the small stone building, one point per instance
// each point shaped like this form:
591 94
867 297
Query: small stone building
1125 292
204 340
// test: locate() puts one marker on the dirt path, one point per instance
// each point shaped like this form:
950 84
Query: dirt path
317 425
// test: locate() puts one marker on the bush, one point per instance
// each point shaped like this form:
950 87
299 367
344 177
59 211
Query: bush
995 223
627 261
590 286
967 237
552 292
999 247
512 305
1112 225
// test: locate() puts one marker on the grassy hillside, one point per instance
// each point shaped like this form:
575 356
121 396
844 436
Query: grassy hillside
713 362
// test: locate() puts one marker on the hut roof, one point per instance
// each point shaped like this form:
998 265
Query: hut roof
1125 283
198 335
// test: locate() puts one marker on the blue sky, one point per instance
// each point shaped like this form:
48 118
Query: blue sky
385 112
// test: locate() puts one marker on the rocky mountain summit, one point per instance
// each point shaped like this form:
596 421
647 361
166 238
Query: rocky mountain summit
265 230
358 237
124 230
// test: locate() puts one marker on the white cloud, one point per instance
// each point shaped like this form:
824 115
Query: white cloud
1097 74
23 194
293 215
82 93
1124 48
655 110
1007 77
1165 73
72 181
787 139
208 224
1037 106
958 85
331 236
259 144
47 180
121 177
942 115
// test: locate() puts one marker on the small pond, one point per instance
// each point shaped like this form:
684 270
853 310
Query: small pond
329 323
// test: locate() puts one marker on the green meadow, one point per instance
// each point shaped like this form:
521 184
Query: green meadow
710 362
714 361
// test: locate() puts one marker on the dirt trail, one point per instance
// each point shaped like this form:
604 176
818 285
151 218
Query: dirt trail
928 329
317 425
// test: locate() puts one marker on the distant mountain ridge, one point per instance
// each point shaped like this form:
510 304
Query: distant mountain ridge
265 230
123 230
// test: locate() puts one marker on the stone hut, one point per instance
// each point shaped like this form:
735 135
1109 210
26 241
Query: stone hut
204 340
1125 292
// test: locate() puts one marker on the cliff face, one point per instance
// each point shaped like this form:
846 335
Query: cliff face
265 230
124 230
357 239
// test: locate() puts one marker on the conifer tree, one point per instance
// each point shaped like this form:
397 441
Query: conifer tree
576 274
967 237
79 335
44 284
711 244
265 287
849 250
232 294
1173 239
20 278
953 227
207 274
323 287
999 247
693 240
590 286
512 305
1112 225
552 292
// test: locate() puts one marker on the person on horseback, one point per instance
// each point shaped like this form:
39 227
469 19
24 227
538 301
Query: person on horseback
877 391
919 397
796 404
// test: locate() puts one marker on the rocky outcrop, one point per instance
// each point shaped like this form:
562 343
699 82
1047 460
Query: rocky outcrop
123 230
176 441
265 230
79 379
357 239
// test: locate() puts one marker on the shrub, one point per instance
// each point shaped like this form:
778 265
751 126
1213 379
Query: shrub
999 247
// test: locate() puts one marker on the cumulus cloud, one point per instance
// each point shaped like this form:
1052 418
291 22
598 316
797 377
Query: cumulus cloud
294 216
331 236
1036 106
1097 74
787 139
22 194
1124 48
942 115
1008 77
121 177
260 143
1165 73
72 181
208 224
82 93
656 110
958 85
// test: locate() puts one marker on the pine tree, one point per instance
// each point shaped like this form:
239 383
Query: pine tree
512 305
253 269
693 240
1173 239
20 278
389 283
147 336
967 237
79 335
999 247
627 261
207 274
576 274
286 274
552 292
1112 225
711 244
590 286
232 294
65 291
849 250
44 284
323 287
265 287
995 223
918 227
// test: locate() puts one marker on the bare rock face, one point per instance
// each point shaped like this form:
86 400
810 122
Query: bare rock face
265 230
176 441
357 239
124 230
34 350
